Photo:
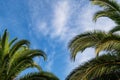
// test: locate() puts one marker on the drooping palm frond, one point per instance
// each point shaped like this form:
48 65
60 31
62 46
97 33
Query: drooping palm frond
107 4
39 76
109 43
99 40
12 41
115 75
18 45
96 67
108 13
23 60
111 9
85 40
115 29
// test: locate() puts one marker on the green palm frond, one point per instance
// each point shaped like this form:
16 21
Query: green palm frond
17 68
109 43
96 67
18 45
111 9
107 4
113 15
115 29
108 13
12 41
113 75
5 44
100 40
86 40
21 56
39 76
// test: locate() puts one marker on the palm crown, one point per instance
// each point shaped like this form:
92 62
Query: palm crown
15 57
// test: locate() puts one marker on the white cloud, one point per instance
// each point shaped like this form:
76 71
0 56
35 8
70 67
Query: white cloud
61 16
58 27
69 18
42 28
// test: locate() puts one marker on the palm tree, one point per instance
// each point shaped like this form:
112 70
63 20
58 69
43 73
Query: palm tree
15 57
104 67
111 9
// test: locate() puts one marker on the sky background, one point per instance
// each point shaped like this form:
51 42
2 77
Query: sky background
50 25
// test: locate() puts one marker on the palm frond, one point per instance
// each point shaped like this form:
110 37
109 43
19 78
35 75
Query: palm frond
12 41
111 9
25 55
18 45
110 43
21 67
96 67
113 75
111 4
5 43
115 29
85 40
39 76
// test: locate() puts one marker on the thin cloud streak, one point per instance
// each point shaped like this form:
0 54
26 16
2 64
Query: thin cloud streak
61 15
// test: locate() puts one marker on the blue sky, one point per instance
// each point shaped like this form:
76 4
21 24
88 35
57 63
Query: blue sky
49 25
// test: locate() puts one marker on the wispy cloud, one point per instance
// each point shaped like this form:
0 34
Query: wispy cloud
42 28
60 18
62 25
57 26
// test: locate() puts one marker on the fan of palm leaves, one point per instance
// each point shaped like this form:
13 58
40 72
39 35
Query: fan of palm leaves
105 67
16 56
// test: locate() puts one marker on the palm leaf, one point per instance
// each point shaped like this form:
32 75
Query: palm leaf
5 44
18 45
115 29
39 76
96 67
86 40
111 4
